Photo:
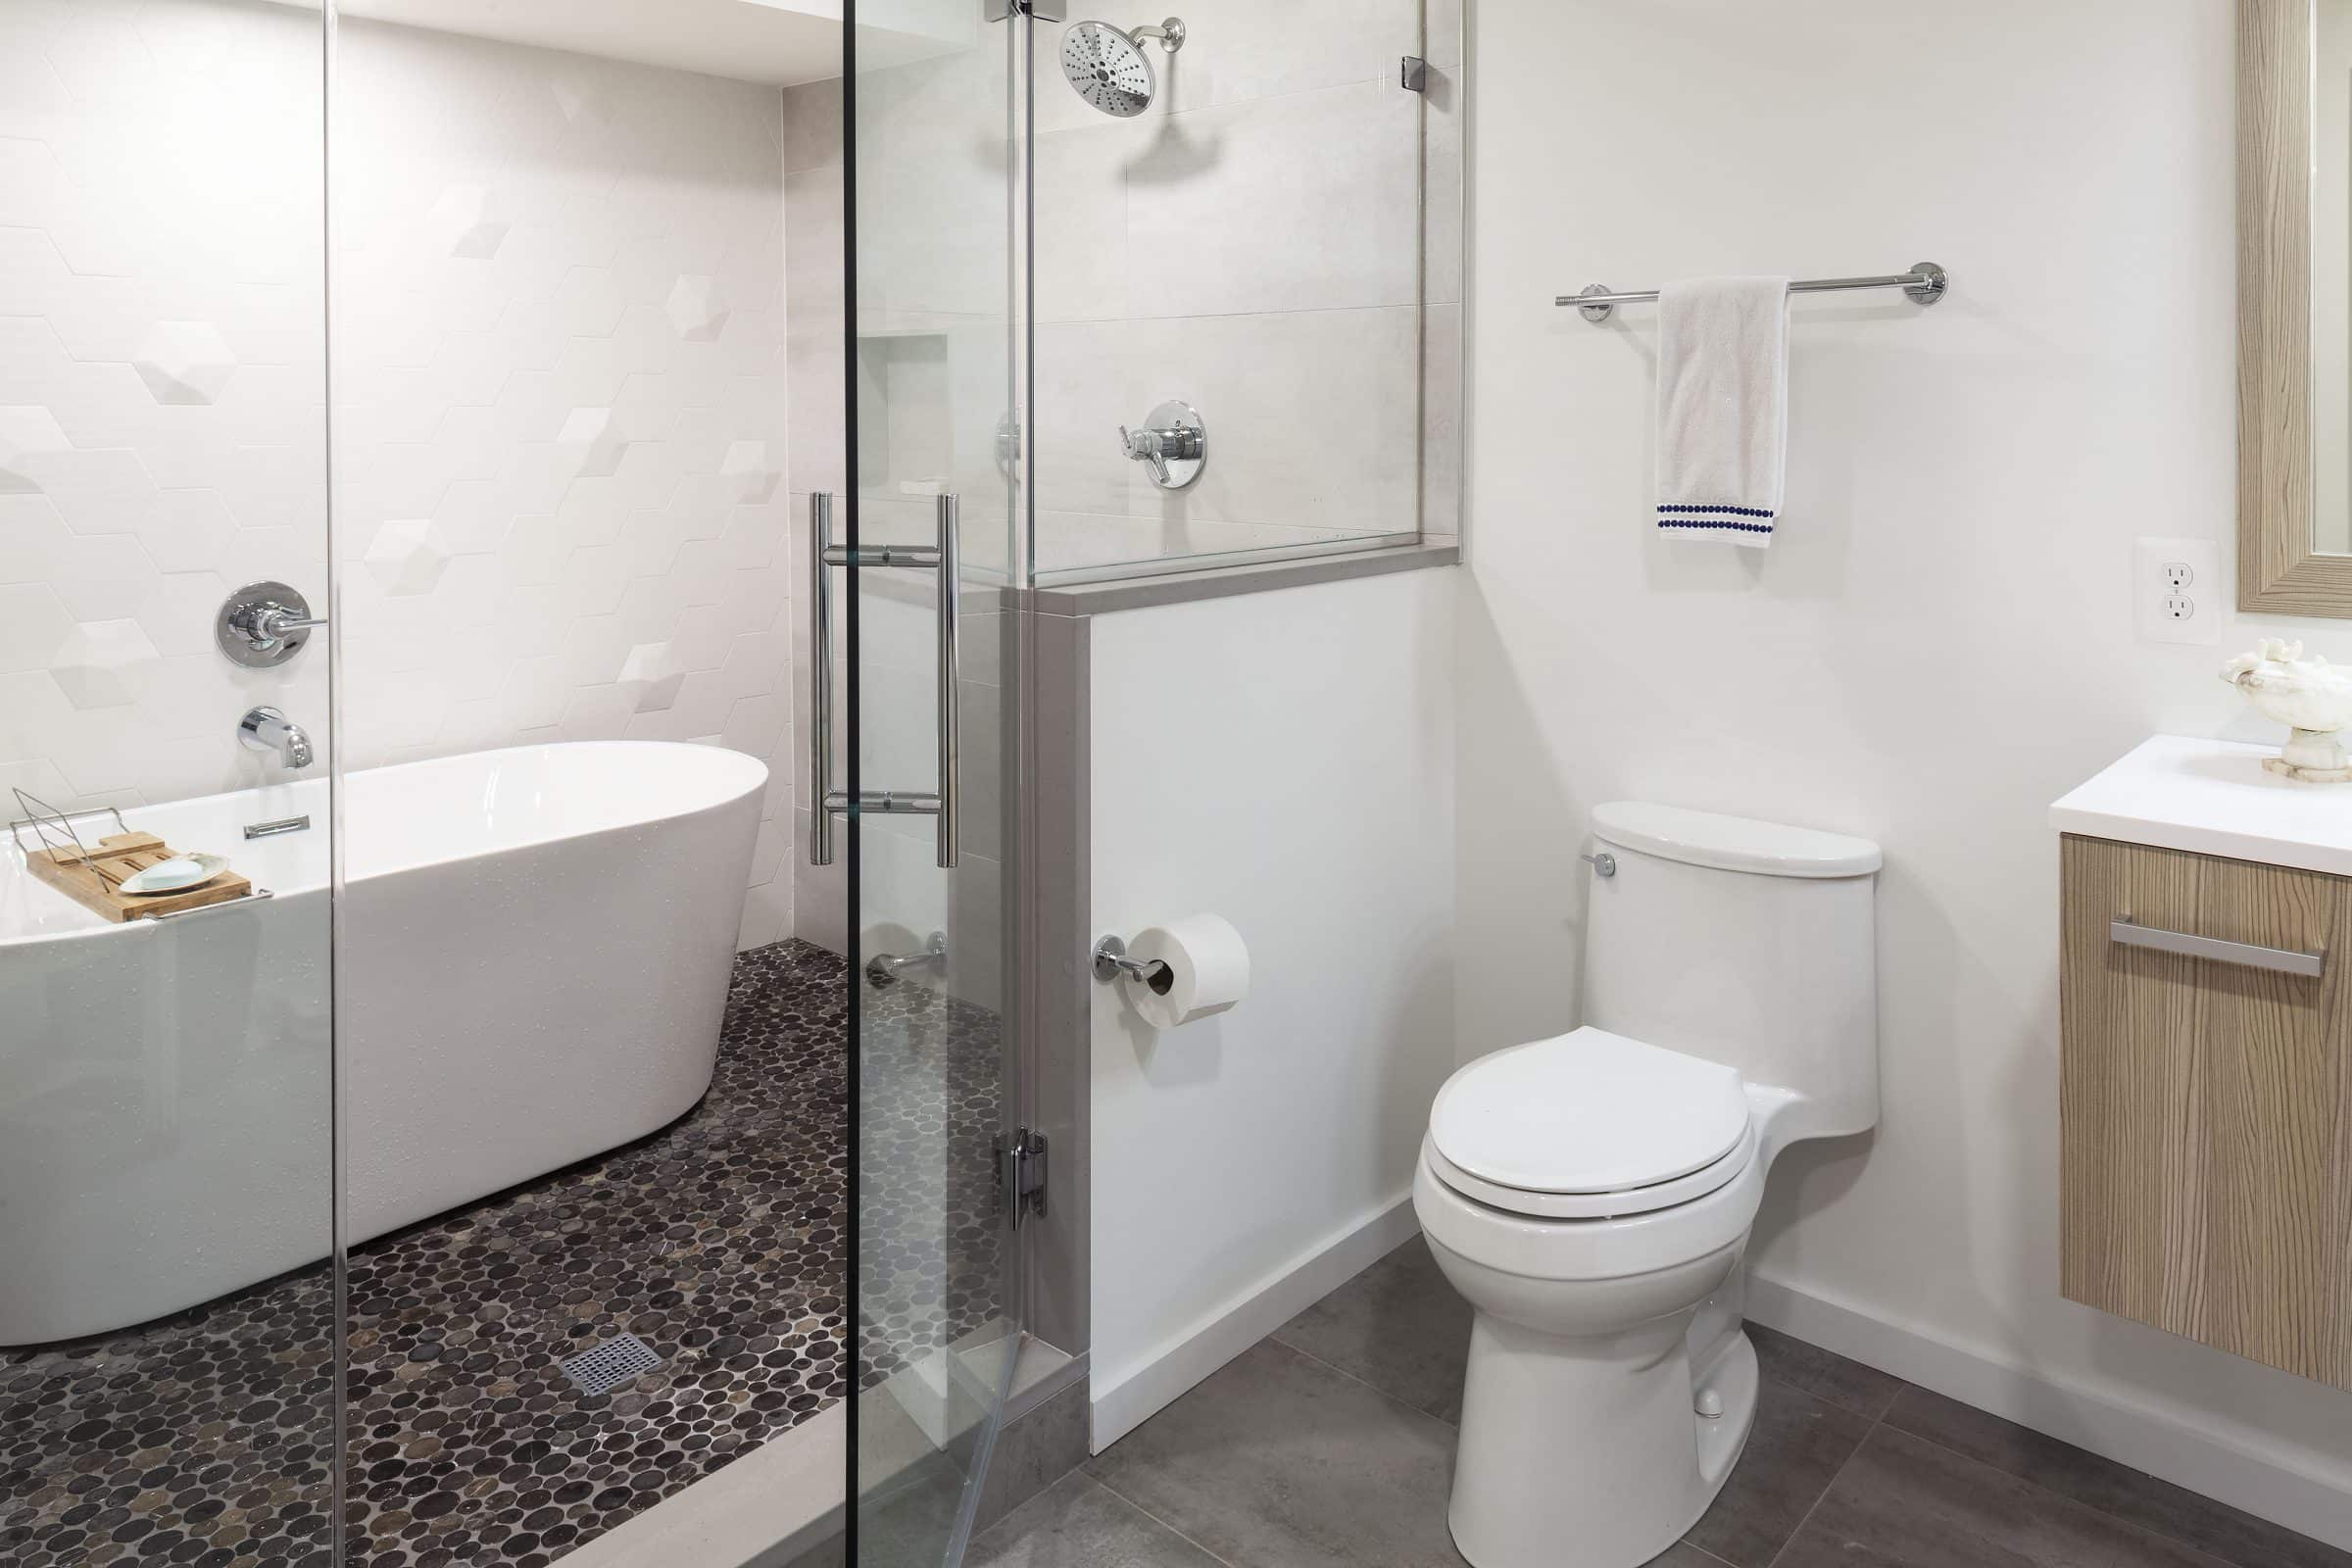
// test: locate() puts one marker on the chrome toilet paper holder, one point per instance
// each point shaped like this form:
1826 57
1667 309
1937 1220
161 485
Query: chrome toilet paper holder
1112 961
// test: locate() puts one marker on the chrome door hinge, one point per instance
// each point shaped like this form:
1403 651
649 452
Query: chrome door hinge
1415 76
1008 444
1021 1172
1042 10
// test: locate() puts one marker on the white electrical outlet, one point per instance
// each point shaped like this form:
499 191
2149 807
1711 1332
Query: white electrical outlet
2177 589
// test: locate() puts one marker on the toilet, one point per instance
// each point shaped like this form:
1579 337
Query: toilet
1590 1194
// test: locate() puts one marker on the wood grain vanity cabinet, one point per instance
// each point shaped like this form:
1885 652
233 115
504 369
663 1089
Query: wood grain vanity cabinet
2207 1102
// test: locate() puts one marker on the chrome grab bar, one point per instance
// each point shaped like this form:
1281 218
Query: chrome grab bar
2285 961
947 559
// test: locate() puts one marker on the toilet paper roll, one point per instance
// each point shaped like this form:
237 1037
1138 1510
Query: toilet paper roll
1208 971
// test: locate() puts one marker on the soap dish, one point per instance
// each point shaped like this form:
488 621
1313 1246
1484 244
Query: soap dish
175 875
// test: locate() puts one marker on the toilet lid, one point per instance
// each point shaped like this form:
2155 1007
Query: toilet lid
1588 1111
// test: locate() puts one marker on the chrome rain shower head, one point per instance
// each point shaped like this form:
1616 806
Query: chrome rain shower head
1107 68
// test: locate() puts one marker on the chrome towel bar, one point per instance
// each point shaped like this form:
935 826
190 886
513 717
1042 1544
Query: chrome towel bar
2285 961
1926 283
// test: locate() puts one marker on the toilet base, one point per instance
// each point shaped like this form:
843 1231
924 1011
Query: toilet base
1596 1456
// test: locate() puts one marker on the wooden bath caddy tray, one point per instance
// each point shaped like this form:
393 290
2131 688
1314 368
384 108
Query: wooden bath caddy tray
91 878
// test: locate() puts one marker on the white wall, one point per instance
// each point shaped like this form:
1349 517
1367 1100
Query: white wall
559 436
1939 642
1282 759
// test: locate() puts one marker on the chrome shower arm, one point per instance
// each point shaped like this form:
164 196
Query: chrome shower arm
1171 33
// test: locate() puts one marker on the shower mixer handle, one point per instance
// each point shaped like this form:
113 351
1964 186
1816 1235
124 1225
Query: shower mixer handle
1173 443
1147 446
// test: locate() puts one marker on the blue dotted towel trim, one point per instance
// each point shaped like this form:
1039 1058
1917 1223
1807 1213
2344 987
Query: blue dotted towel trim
1707 523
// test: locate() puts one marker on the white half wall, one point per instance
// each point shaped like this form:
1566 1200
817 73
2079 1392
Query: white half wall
1942 639
1282 760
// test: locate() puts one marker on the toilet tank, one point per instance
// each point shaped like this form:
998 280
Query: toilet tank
1747 943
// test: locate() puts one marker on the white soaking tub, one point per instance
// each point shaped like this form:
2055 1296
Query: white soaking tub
534 966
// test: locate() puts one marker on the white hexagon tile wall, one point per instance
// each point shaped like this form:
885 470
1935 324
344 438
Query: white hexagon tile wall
163 429
559 417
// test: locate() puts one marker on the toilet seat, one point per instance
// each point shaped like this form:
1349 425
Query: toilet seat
1647 1199
1589 1125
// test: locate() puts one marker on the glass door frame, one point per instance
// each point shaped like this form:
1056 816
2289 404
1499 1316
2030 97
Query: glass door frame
977 620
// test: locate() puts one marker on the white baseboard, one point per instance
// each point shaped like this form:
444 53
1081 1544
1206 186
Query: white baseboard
2146 1440
1128 1397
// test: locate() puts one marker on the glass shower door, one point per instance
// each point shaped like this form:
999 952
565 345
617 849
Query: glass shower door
167 1319
929 537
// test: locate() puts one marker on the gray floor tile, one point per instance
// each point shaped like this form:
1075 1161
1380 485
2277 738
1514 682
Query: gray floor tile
1279 1461
1079 1523
1400 1325
1905 1503
906 1521
1793 1451
2158 1506
1682 1554
1824 1374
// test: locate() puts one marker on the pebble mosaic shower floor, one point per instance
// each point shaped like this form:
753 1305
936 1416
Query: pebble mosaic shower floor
721 1240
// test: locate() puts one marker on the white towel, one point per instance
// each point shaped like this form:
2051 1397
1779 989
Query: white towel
1723 407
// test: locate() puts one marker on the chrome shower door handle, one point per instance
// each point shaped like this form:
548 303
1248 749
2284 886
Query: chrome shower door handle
821 680
945 557
950 680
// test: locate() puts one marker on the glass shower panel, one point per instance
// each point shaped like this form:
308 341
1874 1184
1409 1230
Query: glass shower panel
932 538
167 1388
595 1153
1229 289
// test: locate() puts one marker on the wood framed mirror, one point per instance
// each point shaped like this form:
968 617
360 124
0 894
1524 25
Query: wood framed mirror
2294 356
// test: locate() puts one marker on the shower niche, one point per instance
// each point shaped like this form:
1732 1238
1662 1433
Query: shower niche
906 438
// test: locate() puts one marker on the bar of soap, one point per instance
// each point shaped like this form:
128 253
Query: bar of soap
175 875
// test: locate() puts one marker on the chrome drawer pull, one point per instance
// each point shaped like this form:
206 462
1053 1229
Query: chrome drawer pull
2132 933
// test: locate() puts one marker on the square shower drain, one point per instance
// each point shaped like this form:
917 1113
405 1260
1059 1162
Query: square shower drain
601 1368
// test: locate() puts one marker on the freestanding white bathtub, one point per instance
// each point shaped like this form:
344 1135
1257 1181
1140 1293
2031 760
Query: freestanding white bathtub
535 953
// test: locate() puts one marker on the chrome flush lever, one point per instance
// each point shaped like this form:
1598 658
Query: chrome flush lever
1603 864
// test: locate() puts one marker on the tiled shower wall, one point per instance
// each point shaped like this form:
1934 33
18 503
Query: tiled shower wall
560 412
559 405
1250 244
163 431
1277 240
815 379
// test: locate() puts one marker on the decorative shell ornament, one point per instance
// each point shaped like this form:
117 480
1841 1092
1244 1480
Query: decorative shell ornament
2311 695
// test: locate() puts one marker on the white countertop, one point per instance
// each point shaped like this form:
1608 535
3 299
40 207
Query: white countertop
2213 797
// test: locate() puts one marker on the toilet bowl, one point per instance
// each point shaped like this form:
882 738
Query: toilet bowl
1590 1194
